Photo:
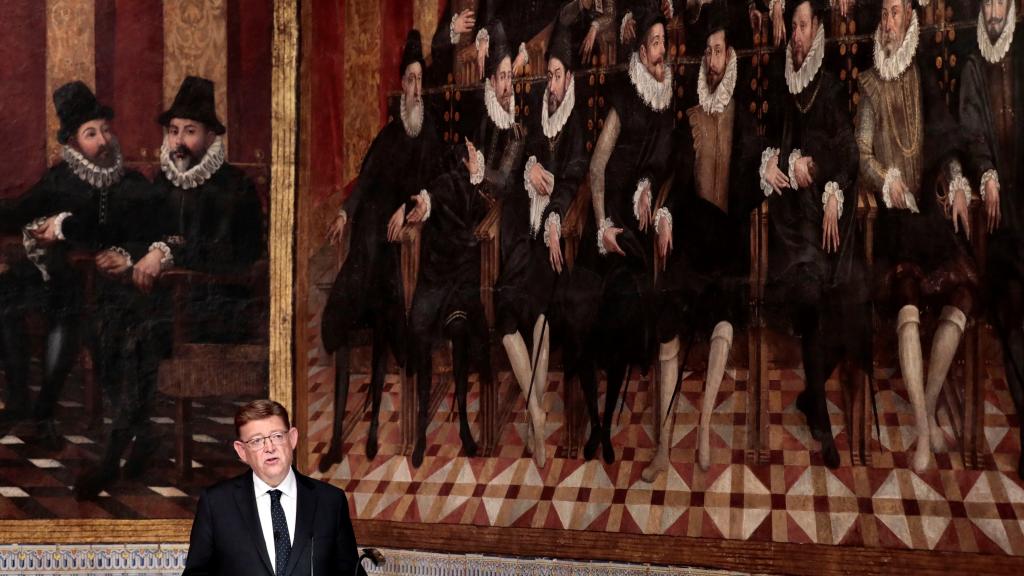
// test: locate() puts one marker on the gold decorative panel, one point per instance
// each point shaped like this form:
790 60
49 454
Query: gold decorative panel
362 82
196 44
70 55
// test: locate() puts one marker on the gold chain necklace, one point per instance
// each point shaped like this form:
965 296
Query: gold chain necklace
814 96
908 151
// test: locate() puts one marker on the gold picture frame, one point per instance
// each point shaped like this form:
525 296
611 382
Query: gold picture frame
283 167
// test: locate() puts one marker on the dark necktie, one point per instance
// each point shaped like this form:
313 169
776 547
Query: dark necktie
282 541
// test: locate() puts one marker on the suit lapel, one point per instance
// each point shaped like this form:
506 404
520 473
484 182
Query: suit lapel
305 514
245 498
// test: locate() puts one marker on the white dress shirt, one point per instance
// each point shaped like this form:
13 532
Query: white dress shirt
288 502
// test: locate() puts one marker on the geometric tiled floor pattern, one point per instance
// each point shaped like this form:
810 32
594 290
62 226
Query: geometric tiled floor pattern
791 499
36 484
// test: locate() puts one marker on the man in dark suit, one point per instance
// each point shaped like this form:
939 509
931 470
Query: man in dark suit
271 520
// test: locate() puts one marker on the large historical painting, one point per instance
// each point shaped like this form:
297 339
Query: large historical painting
119 393
759 477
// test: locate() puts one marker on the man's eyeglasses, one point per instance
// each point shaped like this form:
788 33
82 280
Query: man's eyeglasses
257 443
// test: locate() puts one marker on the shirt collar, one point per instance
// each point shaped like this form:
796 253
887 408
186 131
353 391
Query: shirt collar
287 486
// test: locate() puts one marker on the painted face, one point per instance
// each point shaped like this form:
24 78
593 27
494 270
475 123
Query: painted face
412 85
894 24
715 59
804 27
188 141
558 83
652 52
501 80
994 13
96 142
268 448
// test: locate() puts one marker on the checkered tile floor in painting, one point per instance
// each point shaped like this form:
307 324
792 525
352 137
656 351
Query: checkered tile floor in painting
36 483
791 499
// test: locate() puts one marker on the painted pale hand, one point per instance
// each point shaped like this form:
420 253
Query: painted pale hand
830 226
992 209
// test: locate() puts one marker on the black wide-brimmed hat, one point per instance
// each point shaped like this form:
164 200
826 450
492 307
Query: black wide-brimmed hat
194 101
498 48
413 51
647 14
560 46
76 104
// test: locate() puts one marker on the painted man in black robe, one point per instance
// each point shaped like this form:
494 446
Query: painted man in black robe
368 289
447 301
531 238
627 169
991 98
89 204
816 281
703 230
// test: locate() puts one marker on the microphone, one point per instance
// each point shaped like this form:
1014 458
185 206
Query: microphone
376 558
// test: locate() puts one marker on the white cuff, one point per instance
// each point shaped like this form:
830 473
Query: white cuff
58 222
662 214
168 258
622 27
553 221
671 11
959 183
893 175
477 177
641 186
771 6
833 189
122 252
793 157
452 35
524 53
482 36
530 190
426 197
605 224
985 178
767 157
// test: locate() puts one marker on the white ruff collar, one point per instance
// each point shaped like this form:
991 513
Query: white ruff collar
196 175
502 118
892 67
994 53
798 80
89 172
657 95
554 123
412 121
715 103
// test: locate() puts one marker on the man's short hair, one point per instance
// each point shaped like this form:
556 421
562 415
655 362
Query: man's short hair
260 410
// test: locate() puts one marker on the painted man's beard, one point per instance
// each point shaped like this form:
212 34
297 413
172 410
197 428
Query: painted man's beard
995 28
714 77
553 101
799 53
412 114
184 159
891 42
107 155
656 68
506 101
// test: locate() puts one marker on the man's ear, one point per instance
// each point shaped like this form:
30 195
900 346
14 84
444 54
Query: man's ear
211 136
240 450
293 437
